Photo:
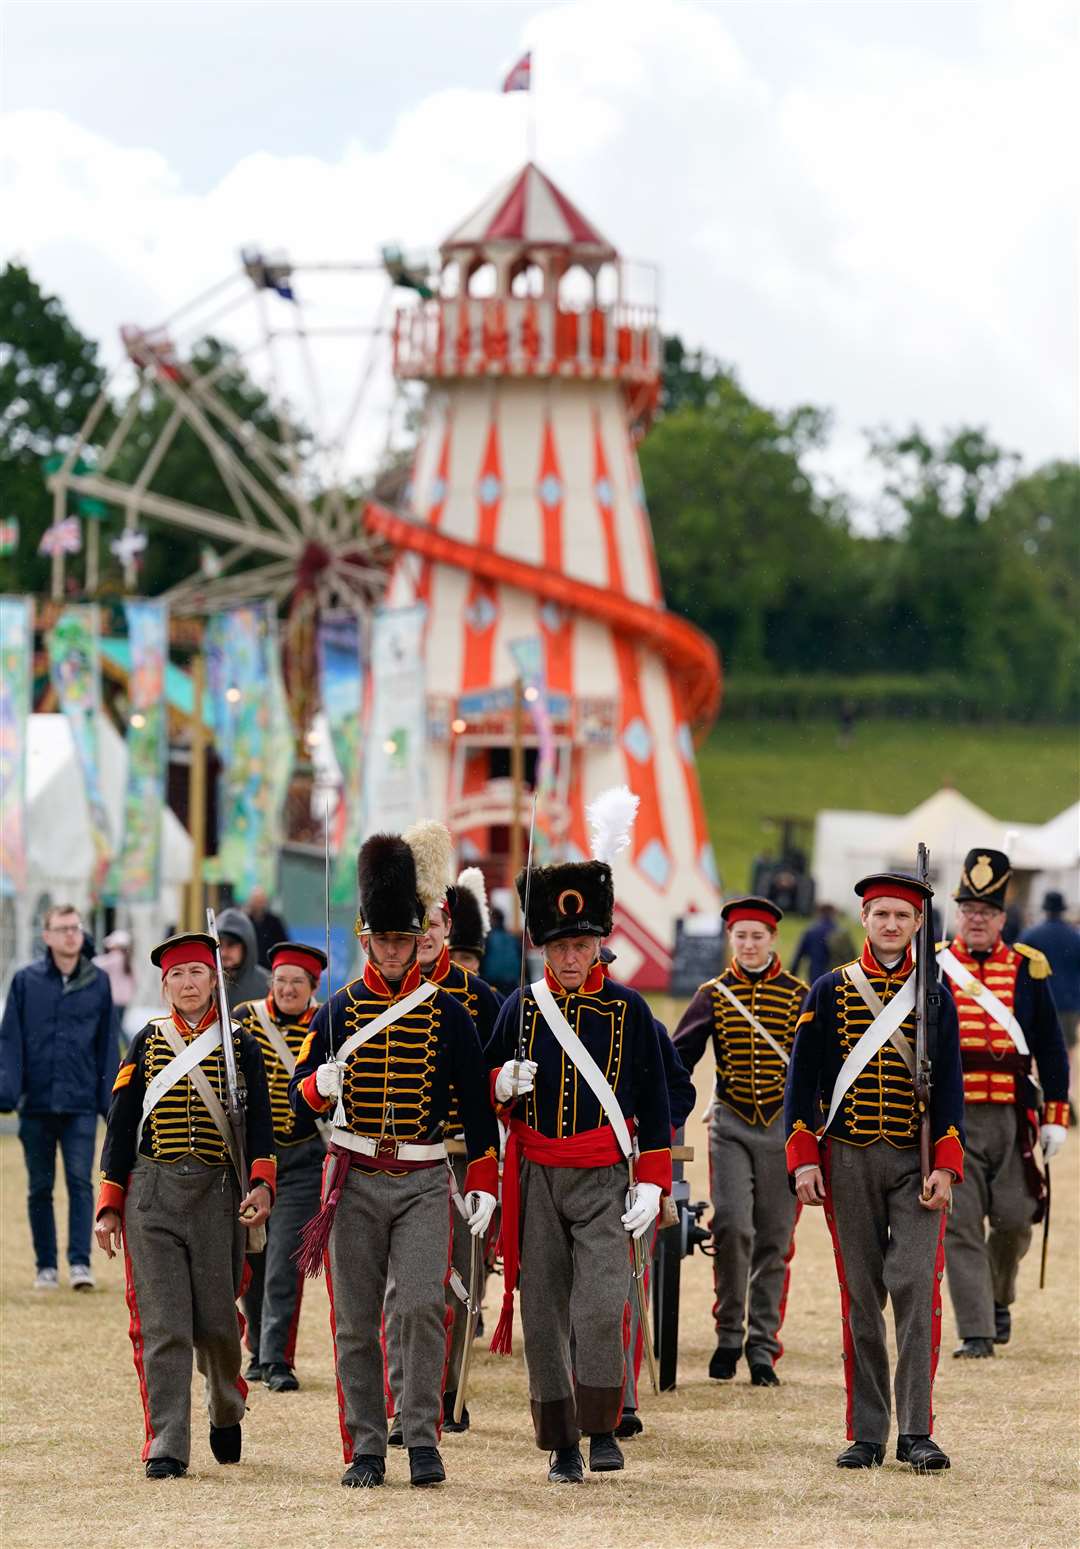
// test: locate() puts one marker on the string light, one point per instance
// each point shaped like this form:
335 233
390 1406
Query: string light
389 746
532 694
458 726
138 720
232 695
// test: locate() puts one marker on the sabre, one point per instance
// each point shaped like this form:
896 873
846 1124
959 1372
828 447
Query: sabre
638 1248
234 1106
521 980
339 1111
1046 1228
472 1316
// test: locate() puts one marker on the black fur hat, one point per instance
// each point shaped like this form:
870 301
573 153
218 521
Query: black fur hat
574 899
469 918
386 876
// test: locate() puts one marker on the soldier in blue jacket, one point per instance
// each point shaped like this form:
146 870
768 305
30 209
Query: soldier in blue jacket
59 1052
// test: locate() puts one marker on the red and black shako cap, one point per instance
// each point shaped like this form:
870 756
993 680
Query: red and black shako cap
894 884
296 954
188 947
761 910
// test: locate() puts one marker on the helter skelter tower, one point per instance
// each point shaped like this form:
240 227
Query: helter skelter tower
529 521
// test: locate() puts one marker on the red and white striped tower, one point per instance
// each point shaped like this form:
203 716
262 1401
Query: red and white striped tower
529 520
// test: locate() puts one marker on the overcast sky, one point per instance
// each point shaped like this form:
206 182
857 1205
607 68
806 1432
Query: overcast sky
869 207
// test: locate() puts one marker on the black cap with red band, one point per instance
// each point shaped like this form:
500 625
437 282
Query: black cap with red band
760 910
295 954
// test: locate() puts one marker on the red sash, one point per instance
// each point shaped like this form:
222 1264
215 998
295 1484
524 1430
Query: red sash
590 1148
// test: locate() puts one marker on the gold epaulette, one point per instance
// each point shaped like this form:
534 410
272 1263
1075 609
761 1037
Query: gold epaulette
1038 962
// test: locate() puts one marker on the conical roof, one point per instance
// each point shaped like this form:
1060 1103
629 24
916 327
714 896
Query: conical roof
527 210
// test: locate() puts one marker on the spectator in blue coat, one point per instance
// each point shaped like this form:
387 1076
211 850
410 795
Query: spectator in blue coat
59 1053
814 945
1059 942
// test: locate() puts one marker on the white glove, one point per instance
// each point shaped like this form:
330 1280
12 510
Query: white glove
644 1210
328 1079
515 1079
481 1209
1053 1138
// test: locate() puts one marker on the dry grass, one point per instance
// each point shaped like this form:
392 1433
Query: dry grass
731 1466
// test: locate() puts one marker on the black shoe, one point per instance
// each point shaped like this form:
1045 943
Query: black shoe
862 1454
763 1376
365 1472
924 1454
425 1466
449 1423
567 1466
225 1443
395 1438
281 1379
630 1424
605 1454
974 1349
165 1468
1002 1324
255 1372
723 1363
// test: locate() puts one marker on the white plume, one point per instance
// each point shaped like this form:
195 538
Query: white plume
611 821
432 848
472 881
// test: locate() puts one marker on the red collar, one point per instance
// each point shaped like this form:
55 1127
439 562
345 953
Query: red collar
870 963
774 967
440 967
375 982
593 980
1000 952
301 1021
208 1018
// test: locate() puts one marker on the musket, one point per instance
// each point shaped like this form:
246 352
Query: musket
524 932
234 1101
638 1272
927 1015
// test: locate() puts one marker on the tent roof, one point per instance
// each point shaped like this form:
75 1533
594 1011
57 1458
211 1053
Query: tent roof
528 210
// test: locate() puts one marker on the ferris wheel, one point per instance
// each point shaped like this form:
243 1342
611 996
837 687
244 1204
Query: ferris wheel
283 521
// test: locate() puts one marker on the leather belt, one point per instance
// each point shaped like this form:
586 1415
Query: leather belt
392 1150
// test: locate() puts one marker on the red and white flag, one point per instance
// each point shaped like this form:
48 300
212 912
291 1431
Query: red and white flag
519 78
62 537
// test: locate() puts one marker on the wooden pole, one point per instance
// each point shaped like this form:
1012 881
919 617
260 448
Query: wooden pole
197 796
92 529
517 776
59 503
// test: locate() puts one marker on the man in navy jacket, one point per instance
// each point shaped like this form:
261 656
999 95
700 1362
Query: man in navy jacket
59 1053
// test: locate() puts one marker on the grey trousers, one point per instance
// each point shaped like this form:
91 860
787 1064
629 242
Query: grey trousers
184 1259
982 1268
887 1245
460 1258
399 1225
575 1273
753 1226
299 1182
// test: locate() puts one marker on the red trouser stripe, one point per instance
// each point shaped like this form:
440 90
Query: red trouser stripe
935 1313
788 1256
845 1297
136 1334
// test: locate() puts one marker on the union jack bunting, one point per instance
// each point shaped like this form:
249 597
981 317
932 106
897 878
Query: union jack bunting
519 78
62 538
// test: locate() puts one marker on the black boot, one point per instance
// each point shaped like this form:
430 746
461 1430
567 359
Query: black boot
924 1454
1002 1324
723 1363
862 1454
762 1375
974 1349
630 1424
255 1372
365 1472
448 1422
225 1443
396 1437
567 1466
281 1379
425 1466
165 1468
605 1454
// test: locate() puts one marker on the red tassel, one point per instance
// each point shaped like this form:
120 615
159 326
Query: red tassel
502 1342
315 1237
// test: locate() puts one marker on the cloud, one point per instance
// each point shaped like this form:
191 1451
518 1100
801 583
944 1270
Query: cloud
883 230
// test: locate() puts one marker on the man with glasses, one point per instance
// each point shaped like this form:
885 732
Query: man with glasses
1007 1020
59 1053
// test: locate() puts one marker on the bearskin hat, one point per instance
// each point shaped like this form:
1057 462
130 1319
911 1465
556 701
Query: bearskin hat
574 899
386 876
470 921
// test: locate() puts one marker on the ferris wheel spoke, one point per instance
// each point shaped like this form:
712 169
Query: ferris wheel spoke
200 580
286 429
181 513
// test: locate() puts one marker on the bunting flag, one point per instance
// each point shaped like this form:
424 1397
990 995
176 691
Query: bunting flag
139 868
254 744
62 537
16 654
9 535
341 685
519 77
75 673
395 768
528 656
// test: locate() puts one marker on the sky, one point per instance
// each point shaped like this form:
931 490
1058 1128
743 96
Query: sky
866 207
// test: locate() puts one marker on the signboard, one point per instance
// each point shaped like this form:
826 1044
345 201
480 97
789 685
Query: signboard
699 952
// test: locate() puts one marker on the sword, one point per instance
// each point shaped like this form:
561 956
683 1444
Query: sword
640 1266
524 933
234 1106
339 1112
472 1314
1046 1228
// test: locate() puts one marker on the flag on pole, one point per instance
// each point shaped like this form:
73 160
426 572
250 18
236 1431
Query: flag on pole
519 77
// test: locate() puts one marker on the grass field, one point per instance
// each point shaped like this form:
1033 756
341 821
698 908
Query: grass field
734 1467
754 771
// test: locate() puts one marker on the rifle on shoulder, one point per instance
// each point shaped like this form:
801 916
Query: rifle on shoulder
927 1016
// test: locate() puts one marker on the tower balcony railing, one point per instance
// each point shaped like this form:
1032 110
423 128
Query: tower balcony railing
526 336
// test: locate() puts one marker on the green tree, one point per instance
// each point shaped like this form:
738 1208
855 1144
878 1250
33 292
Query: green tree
49 378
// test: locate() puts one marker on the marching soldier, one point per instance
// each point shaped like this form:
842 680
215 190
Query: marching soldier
280 1024
1007 1019
482 1004
854 1056
749 1013
470 925
171 1198
576 1066
386 1054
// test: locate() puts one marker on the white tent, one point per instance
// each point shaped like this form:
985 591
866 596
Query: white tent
1060 840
